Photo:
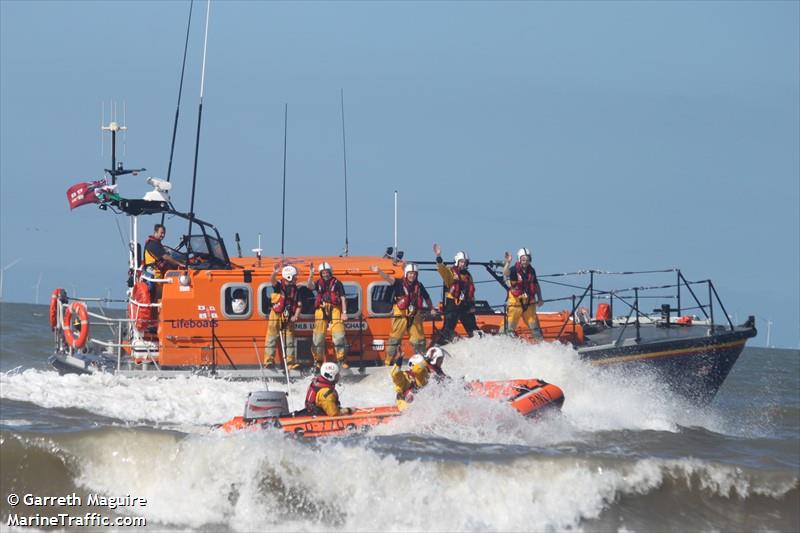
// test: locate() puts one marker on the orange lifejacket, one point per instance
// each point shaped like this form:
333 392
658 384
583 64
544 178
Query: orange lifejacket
524 282
463 288
288 299
317 384
327 293
411 297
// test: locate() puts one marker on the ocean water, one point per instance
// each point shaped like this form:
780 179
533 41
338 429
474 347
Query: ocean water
625 454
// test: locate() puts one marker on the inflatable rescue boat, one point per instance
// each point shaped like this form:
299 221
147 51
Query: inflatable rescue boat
531 397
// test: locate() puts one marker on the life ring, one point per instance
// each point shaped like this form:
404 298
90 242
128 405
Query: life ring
76 340
141 314
59 295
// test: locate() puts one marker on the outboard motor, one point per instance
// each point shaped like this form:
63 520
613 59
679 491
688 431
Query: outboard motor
265 404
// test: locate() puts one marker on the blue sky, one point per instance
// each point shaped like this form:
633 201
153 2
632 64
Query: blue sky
608 135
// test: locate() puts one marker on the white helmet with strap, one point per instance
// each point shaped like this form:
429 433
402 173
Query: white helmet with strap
435 356
410 267
325 266
523 252
289 273
330 371
461 256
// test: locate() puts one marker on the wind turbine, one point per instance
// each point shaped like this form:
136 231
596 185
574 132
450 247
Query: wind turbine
38 283
2 271
769 332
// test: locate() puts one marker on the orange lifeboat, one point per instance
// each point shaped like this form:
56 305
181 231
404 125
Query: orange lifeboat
531 397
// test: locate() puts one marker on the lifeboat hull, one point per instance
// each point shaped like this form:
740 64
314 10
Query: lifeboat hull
361 419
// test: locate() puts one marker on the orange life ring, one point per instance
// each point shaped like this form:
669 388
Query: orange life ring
59 295
142 313
76 340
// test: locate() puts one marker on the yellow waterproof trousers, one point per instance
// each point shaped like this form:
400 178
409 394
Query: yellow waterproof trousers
326 317
517 310
403 323
277 324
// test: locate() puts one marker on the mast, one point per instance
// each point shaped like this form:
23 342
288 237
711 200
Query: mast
180 92
395 225
283 209
199 119
344 159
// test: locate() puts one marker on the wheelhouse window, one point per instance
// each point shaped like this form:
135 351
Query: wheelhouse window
264 299
306 297
381 298
236 301
352 292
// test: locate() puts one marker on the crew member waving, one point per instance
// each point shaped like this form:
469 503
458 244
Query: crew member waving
524 293
409 298
459 302
283 315
330 313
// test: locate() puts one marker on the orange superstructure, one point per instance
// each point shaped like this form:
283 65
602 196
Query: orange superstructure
197 325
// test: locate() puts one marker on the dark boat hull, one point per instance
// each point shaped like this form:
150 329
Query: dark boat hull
692 361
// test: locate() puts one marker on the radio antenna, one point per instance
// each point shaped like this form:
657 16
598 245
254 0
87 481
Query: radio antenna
199 118
395 225
283 210
344 159
180 91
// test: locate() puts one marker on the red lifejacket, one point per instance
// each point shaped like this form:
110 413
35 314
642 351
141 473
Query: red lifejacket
288 299
463 288
327 293
524 282
317 384
411 297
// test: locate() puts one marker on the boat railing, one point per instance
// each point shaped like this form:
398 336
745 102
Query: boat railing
633 298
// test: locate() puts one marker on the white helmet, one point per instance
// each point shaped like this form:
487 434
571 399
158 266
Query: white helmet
238 306
416 359
523 251
410 267
289 273
459 256
330 371
325 266
435 356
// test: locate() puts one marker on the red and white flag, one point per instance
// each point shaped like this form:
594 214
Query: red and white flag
83 193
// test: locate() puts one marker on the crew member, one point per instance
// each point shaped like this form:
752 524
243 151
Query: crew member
409 297
524 293
156 259
331 313
409 381
460 298
283 315
321 397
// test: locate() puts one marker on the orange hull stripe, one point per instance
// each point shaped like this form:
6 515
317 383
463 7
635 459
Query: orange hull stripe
667 353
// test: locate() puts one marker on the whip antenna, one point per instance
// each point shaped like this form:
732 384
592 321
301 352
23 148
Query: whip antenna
395 224
199 118
283 210
344 158
180 91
